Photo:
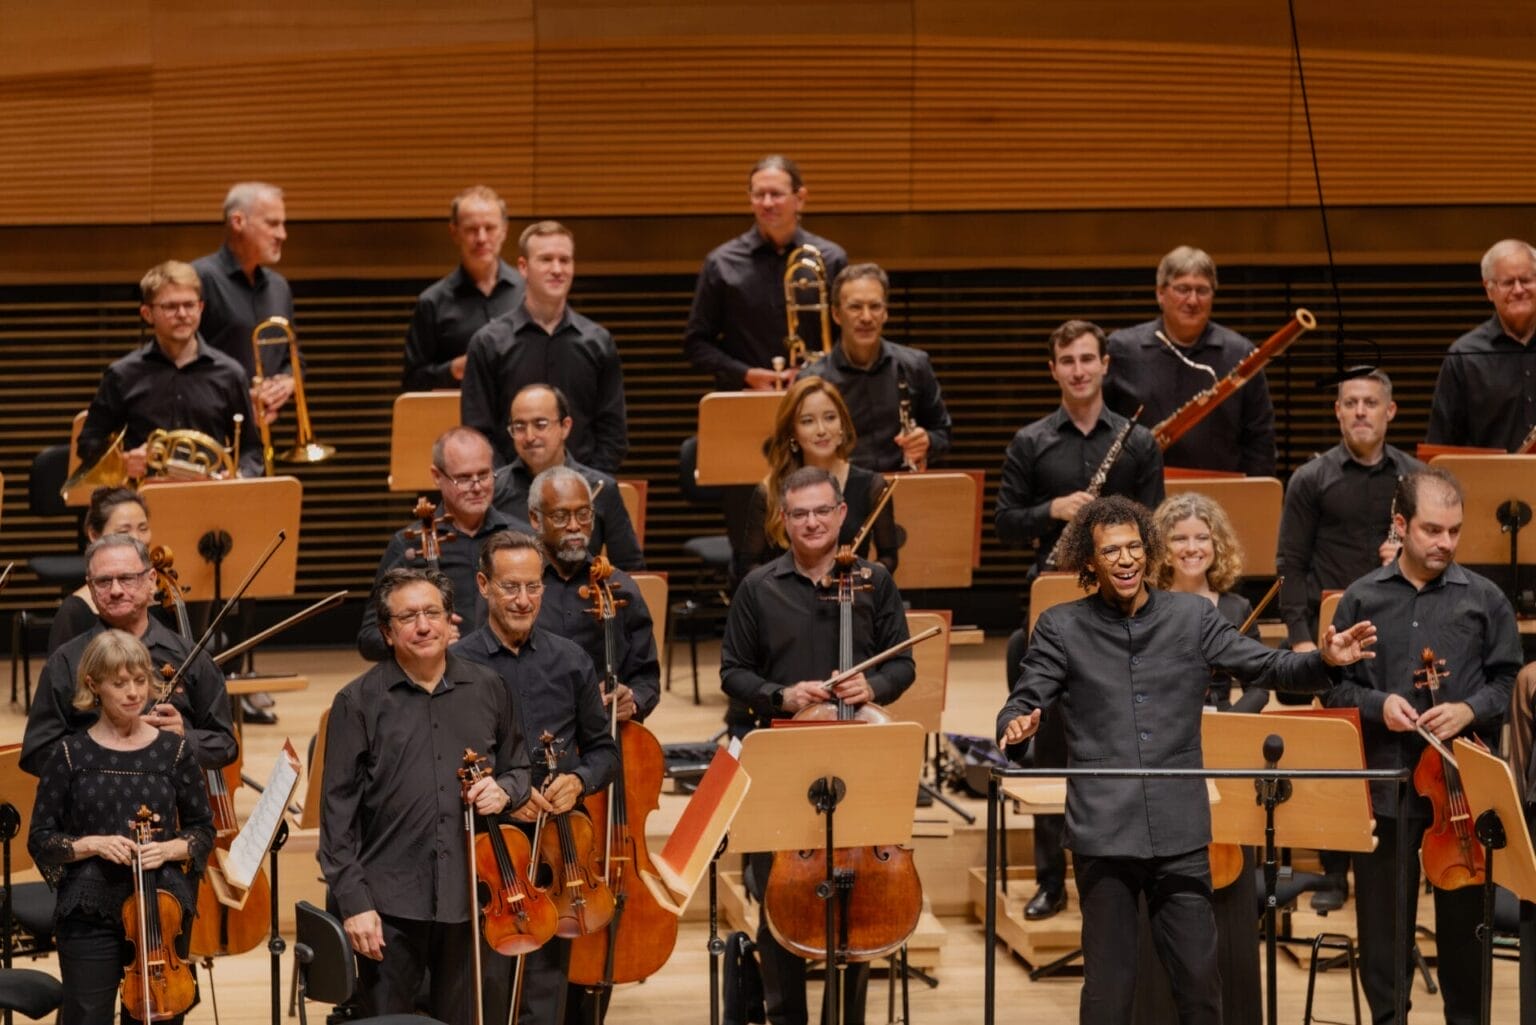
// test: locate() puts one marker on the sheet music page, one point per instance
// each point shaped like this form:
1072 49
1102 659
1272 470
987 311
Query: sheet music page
250 846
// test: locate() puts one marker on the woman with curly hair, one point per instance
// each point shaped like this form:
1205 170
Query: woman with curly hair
1201 555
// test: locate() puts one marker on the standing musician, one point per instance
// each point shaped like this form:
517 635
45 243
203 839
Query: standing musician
1485 395
540 424
461 469
481 288
392 826
890 389
737 324
1164 362
1423 599
554 687
174 381
544 340
781 641
242 289
1130 666
121 579
92 783
562 517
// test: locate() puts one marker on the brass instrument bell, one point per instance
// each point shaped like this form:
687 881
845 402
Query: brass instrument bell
805 270
305 448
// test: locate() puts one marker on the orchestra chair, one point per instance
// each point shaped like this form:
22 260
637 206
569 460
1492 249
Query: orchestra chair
326 967
653 587
634 493
1326 610
66 572
35 994
709 600
30 928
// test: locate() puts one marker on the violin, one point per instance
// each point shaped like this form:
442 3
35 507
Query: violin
516 917
429 530
583 902
1451 854
157 984
641 934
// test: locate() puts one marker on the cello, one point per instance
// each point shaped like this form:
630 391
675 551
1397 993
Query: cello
641 934
518 917
583 902
429 531
157 984
1452 856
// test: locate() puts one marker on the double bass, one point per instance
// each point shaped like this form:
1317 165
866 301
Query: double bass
157 984
641 934
1452 856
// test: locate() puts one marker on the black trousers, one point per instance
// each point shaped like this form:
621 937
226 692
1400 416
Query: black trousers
544 987
1177 891
1458 913
438 951
784 971
92 954
1048 750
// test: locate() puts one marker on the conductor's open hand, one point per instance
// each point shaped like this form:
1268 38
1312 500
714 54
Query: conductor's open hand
1021 728
1343 647
487 796
366 931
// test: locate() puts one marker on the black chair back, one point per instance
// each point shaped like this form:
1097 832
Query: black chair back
327 969
50 467
687 463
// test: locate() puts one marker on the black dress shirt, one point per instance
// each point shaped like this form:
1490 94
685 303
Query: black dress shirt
145 390
447 316
579 358
737 321
1052 457
554 688
458 559
1337 513
783 629
1486 392
611 524
873 395
200 698
1465 619
234 304
1131 689
565 613
1238 436
392 825
753 547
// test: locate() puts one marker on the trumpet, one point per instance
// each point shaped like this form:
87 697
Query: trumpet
305 448
803 261
182 454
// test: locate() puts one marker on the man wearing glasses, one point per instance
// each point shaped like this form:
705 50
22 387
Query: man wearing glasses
122 583
781 641
539 427
176 380
461 469
1486 392
1165 362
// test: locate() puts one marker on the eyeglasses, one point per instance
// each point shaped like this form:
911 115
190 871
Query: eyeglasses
821 512
1510 284
1135 550
186 307
404 619
468 481
1185 291
562 517
512 588
123 580
764 195
536 426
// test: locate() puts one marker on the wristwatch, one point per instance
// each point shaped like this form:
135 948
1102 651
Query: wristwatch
776 699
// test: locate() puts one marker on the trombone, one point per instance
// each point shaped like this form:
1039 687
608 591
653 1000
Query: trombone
805 270
305 448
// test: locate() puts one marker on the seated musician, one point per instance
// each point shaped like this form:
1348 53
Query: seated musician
562 517
111 511
1423 599
92 784
1485 395
882 382
1165 362
781 641
392 843
540 427
737 324
544 340
461 469
175 381
813 427
481 288
554 688
118 572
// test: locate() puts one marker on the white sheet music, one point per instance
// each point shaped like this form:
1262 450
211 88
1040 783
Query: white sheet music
250 846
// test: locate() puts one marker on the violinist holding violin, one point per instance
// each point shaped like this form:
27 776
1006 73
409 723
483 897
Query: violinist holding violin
92 783
1421 600
781 641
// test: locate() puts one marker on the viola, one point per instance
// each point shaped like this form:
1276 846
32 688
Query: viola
583 902
641 934
157 984
516 916
1451 854
429 531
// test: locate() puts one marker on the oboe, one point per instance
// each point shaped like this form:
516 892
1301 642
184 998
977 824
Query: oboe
1096 484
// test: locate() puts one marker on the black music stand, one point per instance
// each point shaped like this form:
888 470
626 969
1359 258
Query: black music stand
825 786
1496 489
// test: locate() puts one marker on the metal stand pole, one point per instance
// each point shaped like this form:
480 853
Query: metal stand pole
1490 833
275 943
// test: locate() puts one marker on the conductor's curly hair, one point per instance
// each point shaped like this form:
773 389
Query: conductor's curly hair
1078 549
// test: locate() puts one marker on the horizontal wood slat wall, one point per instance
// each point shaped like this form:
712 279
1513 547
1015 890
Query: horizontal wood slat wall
985 330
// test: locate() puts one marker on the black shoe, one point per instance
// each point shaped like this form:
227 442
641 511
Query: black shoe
1332 896
1044 904
256 716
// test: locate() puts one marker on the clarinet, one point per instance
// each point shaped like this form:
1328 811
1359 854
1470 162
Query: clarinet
1096 484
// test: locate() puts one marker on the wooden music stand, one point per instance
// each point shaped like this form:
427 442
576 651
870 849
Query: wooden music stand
1050 589
930 507
19 788
418 419
1253 505
250 511
733 425
314 790
923 703
700 832
634 492
653 588
80 495
1488 483
1326 610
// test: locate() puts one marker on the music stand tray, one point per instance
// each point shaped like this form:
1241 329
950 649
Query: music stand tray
418 418
733 425
1488 482
1490 785
1253 504
250 511
939 511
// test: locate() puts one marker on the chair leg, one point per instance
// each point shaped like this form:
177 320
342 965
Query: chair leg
17 629
693 657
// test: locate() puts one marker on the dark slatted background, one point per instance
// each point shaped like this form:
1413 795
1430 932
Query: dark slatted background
984 329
